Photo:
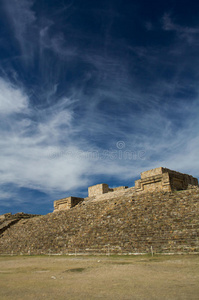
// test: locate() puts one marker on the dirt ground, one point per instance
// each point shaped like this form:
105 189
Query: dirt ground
99 277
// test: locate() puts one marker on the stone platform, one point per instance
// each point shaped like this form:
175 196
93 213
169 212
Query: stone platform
158 179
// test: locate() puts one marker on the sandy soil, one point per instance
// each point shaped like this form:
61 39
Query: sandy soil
99 277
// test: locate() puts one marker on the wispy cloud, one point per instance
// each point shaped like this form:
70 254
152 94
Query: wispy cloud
190 34
33 32
22 18
55 43
63 116
12 99
26 142
54 152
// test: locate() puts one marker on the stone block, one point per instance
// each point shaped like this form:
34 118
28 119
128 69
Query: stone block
119 188
153 172
165 180
66 203
98 189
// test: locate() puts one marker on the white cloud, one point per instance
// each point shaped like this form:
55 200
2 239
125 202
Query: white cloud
26 144
12 99
22 18
56 43
33 32
29 144
49 148
190 34
6 194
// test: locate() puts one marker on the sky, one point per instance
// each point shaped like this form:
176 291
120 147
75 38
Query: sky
94 92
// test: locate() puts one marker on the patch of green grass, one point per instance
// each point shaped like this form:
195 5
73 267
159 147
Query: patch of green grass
78 270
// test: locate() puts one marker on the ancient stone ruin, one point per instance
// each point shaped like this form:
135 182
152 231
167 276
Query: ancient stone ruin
160 212
7 220
165 180
158 179
66 203
103 188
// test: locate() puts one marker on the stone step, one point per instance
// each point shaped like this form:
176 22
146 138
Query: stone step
6 224
129 223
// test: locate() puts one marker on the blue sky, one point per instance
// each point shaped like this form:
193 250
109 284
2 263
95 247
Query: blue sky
94 91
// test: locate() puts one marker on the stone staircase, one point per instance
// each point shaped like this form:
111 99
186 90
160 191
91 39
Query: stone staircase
164 222
7 220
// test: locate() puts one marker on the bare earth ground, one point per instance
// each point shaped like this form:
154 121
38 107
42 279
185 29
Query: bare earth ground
99 277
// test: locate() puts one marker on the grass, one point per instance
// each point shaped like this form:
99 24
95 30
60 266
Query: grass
76 270
99 277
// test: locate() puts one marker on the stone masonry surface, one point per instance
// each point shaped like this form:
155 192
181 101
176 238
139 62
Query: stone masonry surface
7 220
158 179
161 211
66 203
164 179
130 222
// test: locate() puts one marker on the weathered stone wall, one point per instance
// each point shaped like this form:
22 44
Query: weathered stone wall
66 203
165 180
159 179
120 188
5 216
151 173
181 181
127 223
7 220
103 188
98 189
